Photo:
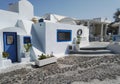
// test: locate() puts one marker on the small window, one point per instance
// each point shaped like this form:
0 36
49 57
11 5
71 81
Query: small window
64 35
10 39
27 40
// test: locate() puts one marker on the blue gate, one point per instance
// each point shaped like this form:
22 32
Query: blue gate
10 45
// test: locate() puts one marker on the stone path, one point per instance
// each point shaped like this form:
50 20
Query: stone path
67 70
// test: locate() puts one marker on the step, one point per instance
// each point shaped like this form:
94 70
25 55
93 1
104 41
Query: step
92 55
91 52
93 48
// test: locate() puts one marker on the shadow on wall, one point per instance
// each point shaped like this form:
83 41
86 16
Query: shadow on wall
35 45
35 40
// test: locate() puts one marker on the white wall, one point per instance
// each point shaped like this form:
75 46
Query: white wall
61 47
8 19
46 34
26 25
26 10
21 10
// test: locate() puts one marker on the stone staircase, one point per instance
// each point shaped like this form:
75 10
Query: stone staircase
96 49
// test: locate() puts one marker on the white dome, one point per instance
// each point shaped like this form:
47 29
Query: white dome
68 21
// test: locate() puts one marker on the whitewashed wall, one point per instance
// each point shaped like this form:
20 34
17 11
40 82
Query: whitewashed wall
60 48
47 36
8 19
24 8
26 25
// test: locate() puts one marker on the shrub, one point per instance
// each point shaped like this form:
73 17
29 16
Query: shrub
5 54
42 56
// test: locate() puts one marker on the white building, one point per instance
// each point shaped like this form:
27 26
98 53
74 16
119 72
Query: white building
47 36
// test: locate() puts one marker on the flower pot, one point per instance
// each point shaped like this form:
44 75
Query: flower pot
77 47
46 61
26 58
5 63
27 54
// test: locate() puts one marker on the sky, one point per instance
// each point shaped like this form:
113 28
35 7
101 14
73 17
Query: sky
81 9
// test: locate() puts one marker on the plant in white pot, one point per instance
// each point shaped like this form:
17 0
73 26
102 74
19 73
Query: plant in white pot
26 59
5 62
5 55
45 59
27 47
78 42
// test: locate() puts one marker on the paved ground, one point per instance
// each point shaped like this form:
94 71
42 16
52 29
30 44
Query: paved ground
98 44
68 70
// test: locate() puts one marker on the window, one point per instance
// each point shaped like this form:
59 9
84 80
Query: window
10 39
64 35
27 40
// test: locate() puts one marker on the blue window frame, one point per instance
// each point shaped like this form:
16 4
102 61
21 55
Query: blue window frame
64 35
27 39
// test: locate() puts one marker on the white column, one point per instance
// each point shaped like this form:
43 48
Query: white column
106 27
101 36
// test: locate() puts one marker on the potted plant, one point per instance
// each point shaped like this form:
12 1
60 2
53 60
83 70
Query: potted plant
5 55
45 59
5 62
35 20
78 42
27 49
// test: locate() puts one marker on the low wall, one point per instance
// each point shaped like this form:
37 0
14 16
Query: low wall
115 47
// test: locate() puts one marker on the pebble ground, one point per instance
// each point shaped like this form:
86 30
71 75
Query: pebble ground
66 71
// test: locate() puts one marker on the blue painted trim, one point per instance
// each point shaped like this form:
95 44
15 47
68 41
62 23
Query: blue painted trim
26 37
64 31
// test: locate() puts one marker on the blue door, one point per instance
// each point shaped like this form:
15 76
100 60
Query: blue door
10 45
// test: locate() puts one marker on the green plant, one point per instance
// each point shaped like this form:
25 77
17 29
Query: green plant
27 47
78 39
5 54
42 56
77 42
78 36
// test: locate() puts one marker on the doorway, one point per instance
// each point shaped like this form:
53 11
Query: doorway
10 45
